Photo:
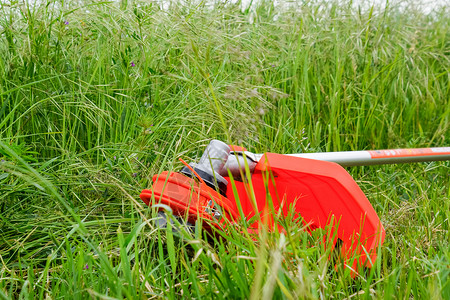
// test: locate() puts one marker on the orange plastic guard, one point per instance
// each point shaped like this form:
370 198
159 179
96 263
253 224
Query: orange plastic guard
321 192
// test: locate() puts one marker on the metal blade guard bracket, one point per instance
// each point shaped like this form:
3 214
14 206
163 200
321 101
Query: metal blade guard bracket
322 193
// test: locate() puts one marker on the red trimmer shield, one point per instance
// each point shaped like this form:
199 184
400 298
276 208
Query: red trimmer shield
324 195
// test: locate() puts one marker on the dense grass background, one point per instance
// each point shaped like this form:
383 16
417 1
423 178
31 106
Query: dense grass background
95 97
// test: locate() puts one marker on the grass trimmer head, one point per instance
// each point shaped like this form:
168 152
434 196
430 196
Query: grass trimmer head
230 183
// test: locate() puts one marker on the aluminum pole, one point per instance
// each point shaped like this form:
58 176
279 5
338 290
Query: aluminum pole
375 157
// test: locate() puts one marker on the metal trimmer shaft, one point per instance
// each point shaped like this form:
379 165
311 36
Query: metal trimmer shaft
377 157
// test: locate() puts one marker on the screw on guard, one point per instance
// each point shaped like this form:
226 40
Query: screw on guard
315 185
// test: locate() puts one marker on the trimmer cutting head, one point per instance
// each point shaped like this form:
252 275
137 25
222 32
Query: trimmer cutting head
322 193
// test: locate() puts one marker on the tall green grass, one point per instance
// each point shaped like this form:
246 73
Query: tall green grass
95 97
